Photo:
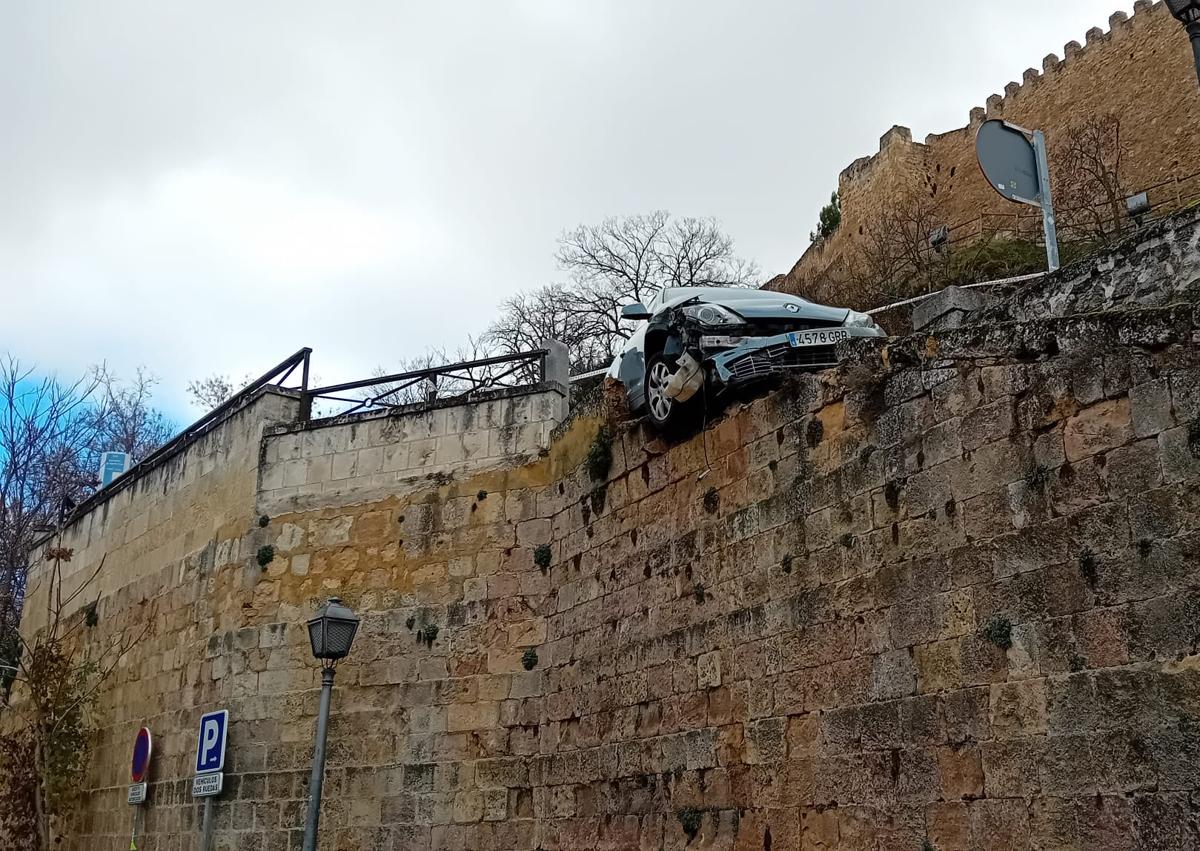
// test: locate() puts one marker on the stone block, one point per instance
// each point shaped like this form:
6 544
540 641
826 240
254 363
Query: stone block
1099 428
708 670
948 308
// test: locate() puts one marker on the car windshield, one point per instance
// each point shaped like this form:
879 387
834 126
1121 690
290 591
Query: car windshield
673 293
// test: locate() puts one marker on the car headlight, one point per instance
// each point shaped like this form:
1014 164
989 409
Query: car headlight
712 314
854 319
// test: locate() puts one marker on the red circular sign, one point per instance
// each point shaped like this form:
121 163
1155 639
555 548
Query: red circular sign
142 746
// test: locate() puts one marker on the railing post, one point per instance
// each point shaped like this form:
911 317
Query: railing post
556 373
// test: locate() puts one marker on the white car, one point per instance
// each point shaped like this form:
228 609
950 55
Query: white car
716 338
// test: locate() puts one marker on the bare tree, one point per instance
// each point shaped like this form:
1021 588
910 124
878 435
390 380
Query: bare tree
429 388
893 257
549 313
48 458
609 265
214 390
60 667
126 421
51 437
1089 188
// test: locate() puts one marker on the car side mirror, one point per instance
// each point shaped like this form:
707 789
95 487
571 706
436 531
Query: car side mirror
637 310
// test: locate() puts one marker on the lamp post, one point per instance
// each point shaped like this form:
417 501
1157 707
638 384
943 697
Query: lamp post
1188 14
331 632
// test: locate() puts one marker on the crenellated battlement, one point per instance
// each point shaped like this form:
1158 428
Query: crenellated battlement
1095 39
1122 70
997 105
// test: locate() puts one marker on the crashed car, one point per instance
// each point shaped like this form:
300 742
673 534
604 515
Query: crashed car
718 338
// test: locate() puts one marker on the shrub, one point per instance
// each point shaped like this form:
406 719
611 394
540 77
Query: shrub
599 457
529 659
542 555
266 555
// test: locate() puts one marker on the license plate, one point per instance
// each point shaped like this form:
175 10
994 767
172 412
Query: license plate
817 338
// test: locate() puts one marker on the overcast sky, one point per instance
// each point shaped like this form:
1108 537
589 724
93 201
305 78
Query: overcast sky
206 187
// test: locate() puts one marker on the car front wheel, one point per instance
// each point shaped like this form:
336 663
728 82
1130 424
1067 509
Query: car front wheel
661 407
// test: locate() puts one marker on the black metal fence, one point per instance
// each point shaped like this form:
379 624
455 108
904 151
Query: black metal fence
432 384
1081 224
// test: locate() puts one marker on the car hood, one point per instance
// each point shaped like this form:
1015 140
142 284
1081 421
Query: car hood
759 304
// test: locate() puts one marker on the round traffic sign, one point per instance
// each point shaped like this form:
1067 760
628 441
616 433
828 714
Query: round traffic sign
142 746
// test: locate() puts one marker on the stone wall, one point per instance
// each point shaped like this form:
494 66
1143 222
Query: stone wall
167 521
342 460
1141 69
945 594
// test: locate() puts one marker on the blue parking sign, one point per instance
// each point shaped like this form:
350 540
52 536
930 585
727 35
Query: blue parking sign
210 747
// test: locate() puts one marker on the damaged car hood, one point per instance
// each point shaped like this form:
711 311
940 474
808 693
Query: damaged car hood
756 304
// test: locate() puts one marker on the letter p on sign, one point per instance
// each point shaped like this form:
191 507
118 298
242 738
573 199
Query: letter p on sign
210 747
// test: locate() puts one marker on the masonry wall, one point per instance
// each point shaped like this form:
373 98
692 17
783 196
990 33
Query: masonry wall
1140 69
946 593
341 460
168 522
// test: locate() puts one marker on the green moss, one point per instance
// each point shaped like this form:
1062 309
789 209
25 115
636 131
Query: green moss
690 819
999 632
600 456
1038 477
891 495
1194 437
599 497
529 659
266 555
814 433
1088 565
542 555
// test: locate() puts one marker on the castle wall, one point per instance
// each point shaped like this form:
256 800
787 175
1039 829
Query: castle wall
944 593
1141 69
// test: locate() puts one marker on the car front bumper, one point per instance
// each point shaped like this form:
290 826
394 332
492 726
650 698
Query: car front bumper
754 358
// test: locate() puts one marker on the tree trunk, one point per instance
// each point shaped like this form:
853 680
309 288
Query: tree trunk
39 800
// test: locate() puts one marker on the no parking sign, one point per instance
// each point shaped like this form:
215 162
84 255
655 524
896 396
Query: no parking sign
139 767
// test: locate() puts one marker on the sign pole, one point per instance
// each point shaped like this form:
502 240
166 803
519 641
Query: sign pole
1047 202
210 766
206 831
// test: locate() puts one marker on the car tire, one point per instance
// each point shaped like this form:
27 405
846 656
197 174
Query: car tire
663 411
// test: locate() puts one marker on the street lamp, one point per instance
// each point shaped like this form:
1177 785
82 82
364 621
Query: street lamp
1188 14
331 632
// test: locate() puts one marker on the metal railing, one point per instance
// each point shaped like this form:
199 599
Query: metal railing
1082 223
456 381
